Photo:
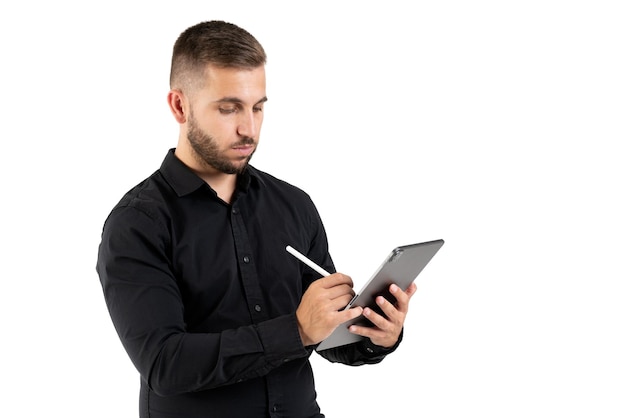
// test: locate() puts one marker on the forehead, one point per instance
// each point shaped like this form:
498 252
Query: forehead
245 84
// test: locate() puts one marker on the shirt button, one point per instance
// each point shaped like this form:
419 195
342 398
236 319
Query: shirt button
234 211
246 259
369 350
257 308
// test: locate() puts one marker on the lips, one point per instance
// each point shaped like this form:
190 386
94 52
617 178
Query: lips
244 150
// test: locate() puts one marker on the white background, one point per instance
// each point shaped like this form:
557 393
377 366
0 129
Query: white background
495 125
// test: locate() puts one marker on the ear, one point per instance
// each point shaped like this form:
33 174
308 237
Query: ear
178 105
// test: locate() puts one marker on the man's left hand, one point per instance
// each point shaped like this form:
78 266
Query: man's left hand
386 331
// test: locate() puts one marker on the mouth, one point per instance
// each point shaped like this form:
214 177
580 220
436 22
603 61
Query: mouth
244 150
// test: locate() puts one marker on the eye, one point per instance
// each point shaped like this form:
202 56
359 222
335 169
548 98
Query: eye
225 110
257 109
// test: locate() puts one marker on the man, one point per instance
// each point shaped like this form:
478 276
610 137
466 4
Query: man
217 317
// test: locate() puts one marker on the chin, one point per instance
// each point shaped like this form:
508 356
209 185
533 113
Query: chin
242 167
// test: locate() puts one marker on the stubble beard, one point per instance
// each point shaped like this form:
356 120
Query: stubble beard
208 154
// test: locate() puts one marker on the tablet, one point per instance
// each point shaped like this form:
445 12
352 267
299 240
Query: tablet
401 266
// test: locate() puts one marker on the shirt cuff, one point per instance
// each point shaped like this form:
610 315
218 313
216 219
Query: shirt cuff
371 350
281 339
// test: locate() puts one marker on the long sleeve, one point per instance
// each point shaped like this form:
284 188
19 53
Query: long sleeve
147 309
203 294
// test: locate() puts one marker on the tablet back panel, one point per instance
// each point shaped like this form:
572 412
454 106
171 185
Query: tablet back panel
401 266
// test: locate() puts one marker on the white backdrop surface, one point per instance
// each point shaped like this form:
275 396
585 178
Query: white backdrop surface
497 126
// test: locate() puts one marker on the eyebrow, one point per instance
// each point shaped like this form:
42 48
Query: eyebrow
238 101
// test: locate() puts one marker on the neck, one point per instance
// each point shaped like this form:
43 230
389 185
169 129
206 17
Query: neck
223 184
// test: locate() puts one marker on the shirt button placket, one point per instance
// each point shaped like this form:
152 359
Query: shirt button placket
246 260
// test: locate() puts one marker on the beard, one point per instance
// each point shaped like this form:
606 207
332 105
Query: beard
207 151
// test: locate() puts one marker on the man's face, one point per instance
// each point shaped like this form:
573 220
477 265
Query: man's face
225 118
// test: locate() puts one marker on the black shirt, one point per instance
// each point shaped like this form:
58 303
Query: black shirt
203 295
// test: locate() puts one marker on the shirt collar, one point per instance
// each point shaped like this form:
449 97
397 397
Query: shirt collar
184 181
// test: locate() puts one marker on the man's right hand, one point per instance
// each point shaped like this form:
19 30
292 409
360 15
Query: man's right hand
321 308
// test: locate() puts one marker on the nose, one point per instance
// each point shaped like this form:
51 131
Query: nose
249 124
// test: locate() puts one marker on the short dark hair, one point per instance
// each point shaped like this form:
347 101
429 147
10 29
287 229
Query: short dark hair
214 42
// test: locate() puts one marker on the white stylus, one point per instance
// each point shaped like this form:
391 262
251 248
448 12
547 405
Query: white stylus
306 261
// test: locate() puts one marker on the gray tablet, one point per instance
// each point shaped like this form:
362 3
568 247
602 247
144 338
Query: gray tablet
401 266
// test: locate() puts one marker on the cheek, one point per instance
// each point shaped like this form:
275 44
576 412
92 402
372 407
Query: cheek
259 122
219 127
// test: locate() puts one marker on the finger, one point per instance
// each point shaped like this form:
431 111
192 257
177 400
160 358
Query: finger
379 321
411 290
349 314
341 302
334 280
402 298
390 311
376 335
339 291
384 332
369 332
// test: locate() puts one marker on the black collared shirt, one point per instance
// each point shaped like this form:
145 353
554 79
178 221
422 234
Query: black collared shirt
203 295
